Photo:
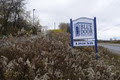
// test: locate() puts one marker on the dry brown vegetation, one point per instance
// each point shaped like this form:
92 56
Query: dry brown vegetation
52 58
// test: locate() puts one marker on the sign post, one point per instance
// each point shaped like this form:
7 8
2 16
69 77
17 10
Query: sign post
71 30
84 33
95 28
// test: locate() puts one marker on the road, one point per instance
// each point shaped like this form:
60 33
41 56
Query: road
115 48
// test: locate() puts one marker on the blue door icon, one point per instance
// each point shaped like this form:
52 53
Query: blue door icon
77 31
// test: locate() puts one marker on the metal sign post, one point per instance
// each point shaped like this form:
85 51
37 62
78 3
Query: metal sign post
84 33
71 30
96 46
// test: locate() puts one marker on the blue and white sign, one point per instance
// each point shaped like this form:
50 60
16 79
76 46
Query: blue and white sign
83 28
84 32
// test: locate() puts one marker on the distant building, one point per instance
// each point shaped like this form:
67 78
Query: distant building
44 29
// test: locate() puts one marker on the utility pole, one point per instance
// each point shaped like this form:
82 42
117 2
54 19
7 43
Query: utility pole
33 17
54 25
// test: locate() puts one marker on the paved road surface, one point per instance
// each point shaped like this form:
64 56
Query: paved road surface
115 48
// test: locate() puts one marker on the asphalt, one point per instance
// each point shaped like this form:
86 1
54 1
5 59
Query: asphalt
115 48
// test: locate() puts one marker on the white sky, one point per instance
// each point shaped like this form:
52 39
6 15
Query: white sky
57 11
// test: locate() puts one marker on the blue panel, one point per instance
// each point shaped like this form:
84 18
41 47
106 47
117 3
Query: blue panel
83 29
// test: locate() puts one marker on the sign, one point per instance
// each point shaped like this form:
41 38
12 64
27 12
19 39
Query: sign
84 43
84 32
83 28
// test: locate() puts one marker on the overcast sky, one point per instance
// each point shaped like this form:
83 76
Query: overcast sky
57 11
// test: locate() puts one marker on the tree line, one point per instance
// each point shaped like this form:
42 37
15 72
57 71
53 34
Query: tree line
65 27
13 16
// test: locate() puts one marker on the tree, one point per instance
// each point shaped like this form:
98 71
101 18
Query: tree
65 27
14 17
11 12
